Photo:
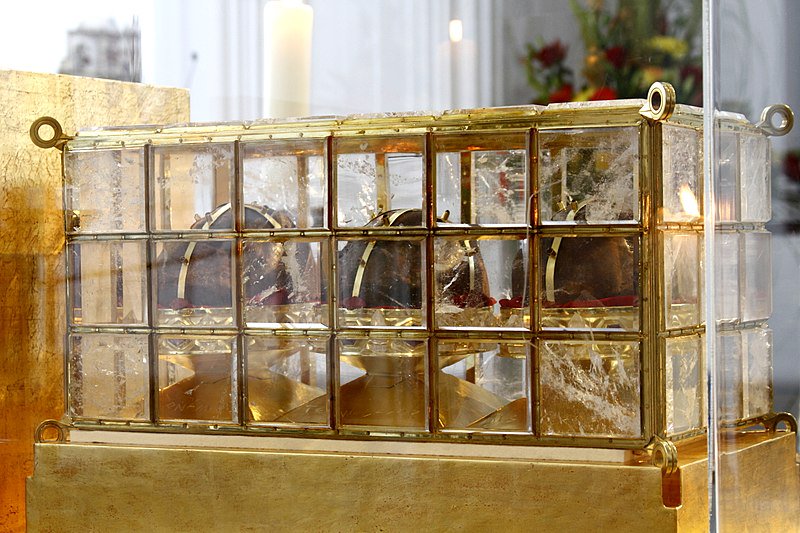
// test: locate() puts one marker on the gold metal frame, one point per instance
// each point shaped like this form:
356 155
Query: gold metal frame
647 116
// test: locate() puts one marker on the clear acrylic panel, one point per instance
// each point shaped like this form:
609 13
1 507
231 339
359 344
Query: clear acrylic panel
757 289
285 283
590 388
681 279
197 378
589 176
746 72
375 176
109 376
727 272
108 282
383 383
105 191
755 178
682 159
685 384
194 282
729 344
482 179
477 279
381 282
483 386
192 187
287 380
726 185
589 283
287 177
757 372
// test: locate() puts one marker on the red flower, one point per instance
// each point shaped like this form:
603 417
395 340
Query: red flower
515 302
603 93
692 71
616 55
551 54
564 94
354 302
791 166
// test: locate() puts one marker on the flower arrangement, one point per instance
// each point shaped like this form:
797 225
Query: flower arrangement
627 48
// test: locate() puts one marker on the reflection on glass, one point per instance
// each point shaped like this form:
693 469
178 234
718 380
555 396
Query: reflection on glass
288 177
482 179
681 279
381 280
684 385
284 283
105 190
757 389
377 175
190 183
287 380
197 378
590 388
108 282
483 386
757 297
726 188
383 384
755 179
590 282
681 169
596 169
480 283
109 377
194 282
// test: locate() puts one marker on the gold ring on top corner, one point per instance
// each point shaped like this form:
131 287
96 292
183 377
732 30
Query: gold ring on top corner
660 102
664 455
55 140
50 427
786 116
771 422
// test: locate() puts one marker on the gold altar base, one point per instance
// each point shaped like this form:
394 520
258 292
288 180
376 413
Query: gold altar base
112 487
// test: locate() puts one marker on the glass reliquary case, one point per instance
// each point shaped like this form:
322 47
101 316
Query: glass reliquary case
527 275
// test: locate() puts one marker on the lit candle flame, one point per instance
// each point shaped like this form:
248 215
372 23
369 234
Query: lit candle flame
456 31
689 201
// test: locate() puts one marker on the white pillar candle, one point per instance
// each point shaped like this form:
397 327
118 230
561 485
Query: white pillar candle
287 58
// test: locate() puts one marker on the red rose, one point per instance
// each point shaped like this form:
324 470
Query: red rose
616 55
791 166
551 54
564 94
603 93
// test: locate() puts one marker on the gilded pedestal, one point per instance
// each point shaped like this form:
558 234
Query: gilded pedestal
190 488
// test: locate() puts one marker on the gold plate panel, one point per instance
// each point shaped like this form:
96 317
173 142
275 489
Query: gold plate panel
31 262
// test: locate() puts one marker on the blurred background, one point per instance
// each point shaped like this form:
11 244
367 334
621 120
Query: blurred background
368 56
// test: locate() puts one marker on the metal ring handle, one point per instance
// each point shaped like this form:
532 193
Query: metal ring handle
661 100
61 431
664 455
51 142
769 113
771 422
